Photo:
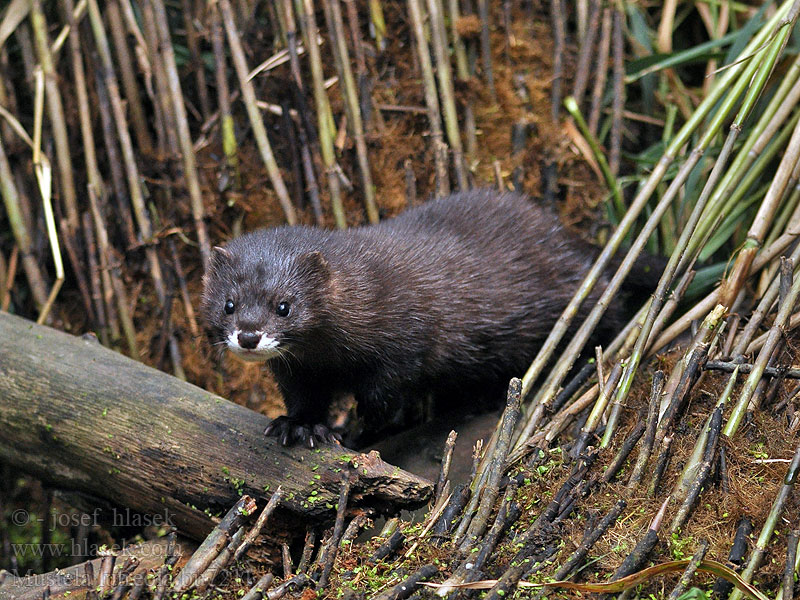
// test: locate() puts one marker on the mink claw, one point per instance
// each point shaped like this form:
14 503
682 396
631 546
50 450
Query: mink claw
290 432
326 435
283 429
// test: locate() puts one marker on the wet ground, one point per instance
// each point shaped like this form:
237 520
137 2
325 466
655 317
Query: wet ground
419 450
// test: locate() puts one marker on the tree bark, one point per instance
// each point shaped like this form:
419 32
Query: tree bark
79 416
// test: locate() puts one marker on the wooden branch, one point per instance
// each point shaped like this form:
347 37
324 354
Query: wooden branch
80 416
74 582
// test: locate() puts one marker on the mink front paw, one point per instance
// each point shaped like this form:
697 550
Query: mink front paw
290 431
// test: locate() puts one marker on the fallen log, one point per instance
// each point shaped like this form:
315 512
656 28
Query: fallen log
79 416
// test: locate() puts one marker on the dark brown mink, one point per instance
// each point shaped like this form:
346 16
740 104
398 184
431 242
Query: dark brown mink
453 297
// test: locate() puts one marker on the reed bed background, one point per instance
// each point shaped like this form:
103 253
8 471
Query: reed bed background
134 135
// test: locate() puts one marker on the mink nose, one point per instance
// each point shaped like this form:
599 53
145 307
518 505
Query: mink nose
249 339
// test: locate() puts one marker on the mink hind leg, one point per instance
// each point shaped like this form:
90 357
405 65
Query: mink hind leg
385 406
307 404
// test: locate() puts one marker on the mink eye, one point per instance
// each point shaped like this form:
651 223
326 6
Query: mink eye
283 309
229 307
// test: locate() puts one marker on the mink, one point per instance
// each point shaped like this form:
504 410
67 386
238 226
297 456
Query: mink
453 297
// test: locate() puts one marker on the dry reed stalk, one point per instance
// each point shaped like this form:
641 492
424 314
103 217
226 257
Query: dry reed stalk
129 158
650 434
278 25
196 60
43 174
228 132
58 121
261 521
9 274
305 130
618 101
110 267
110 82
184 136
446 90
358 46
355 123
107 289
139 122
551 384
768 135
459 50
601 71
559 42
95 179
486 47
101 321
431 98
12 200
68 242
490 490
7 97
324 118
23 35
743 340
787 589
93 175
696 473
463 75
160 95
308 551
665 26
444 469
184 289
689 572
256 121
586 53
702 307
762 220
613 414
259 590
670 306
592 535
219 563
377 23
328 553
63 34
213 544
115 163
498 177
687 371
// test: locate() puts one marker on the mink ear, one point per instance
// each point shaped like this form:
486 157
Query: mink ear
220 256
315 264
221 252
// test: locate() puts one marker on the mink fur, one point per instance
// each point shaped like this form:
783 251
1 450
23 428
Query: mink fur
456 295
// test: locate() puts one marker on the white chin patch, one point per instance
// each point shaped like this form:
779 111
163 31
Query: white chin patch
267 347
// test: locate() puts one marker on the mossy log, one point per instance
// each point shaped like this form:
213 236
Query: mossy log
82 417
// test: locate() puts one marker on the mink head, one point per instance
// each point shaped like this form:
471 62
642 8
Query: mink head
263 298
